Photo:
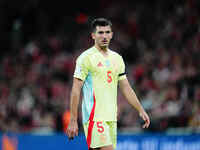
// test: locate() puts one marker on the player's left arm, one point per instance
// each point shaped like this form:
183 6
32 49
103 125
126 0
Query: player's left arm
132 99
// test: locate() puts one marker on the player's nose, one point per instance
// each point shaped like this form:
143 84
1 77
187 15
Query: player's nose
104 35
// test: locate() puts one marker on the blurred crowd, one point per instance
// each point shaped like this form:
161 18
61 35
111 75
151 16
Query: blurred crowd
159 41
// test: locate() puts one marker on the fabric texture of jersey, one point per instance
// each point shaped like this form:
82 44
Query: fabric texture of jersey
100 75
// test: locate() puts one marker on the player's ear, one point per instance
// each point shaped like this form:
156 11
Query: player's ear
93 35
111 35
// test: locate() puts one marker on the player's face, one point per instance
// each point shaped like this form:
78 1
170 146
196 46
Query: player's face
102 36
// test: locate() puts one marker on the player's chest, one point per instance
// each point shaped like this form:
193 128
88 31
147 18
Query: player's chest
104 65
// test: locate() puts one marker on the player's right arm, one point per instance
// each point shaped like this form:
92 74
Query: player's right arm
81 72
72 129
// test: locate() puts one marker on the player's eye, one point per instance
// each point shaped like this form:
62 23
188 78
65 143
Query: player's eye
100 32
108 32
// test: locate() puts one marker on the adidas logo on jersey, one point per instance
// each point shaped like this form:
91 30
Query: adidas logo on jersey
100 64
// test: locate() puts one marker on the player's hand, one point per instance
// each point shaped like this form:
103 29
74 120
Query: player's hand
146 119
72 130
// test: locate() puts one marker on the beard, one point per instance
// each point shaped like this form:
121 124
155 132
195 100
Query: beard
103 45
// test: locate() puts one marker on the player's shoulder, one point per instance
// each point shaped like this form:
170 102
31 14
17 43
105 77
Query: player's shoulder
115 54
86 53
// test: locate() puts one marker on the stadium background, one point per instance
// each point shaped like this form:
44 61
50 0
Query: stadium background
40 40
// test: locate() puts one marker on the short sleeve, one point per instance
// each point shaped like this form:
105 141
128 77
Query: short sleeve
82 67
122 72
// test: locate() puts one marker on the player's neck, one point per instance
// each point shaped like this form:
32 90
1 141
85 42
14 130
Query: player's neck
102 50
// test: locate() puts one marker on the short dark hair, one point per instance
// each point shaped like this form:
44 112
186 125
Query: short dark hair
100 22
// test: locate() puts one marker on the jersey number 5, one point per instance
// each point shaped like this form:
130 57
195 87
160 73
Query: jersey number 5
109 78
100 127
